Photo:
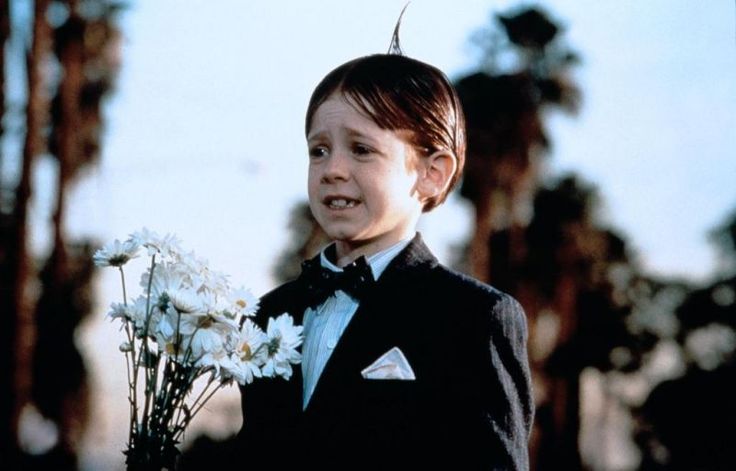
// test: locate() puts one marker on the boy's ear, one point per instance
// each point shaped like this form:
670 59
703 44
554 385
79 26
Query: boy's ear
435 173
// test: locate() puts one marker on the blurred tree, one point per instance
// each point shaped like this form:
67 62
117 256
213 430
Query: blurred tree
524 72
571 275
17 336
724 238
688 422
556 265
307 238
587 303
71 66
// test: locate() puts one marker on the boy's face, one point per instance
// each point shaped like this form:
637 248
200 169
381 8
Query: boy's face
362 180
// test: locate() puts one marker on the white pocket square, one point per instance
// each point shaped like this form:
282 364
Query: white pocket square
391 365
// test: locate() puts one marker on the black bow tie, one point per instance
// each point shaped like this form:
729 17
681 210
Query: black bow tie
320 283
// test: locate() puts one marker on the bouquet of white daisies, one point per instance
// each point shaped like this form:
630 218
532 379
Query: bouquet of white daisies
187 324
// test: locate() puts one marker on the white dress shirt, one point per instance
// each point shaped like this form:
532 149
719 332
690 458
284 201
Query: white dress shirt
324 325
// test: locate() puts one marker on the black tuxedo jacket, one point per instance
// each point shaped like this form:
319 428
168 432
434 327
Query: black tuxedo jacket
470 405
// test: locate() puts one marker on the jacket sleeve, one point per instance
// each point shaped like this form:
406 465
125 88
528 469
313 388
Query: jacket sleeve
493 418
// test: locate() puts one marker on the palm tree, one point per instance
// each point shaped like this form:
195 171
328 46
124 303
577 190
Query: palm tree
577 310
63 121
14 303
504 114
540 244
706 335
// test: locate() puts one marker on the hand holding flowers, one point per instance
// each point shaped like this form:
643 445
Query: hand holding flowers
188 324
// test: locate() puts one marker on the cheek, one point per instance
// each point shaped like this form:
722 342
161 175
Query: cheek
384 202
400 187
311 182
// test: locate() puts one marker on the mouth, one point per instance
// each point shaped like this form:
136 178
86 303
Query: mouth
340 202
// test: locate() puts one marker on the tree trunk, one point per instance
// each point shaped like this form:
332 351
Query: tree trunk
17 334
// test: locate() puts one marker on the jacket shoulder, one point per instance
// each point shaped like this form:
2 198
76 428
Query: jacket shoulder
460 284
477 299
280 292
277 301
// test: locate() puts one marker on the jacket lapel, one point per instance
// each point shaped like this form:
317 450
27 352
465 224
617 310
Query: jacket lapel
285 395
356 347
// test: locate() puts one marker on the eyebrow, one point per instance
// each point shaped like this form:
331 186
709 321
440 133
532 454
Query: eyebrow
350 132
317 135
354 133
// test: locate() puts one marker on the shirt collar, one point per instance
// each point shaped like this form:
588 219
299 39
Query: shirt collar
377 261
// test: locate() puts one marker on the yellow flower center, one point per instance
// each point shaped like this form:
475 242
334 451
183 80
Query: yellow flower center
246 353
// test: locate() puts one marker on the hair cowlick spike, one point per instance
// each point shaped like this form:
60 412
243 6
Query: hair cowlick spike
395 47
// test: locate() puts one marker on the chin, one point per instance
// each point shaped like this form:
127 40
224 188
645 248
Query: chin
342 235
353 238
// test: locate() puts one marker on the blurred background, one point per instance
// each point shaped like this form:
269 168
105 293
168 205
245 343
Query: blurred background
598 191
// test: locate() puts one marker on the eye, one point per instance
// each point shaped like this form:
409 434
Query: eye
362 149
318 151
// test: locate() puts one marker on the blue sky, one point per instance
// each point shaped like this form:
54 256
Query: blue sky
205 131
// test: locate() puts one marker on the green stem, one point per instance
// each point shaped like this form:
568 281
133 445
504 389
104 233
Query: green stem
180 429
132 383
131 401
197 405
145 350
170 367
122 279
185 381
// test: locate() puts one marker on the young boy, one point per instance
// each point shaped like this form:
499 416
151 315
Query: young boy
405 363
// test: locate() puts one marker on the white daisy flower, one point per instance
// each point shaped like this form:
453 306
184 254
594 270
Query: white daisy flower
194 317
169 323
116 253
213 359
166 279
243 302
283 340
146 238
138 315
207 335
211 303
211 281
119 311
249 355
193 266
168 246
175 332
185 300
170 345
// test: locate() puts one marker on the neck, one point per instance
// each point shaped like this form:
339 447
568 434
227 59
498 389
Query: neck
349 251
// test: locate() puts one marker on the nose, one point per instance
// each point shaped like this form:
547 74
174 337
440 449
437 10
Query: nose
336 167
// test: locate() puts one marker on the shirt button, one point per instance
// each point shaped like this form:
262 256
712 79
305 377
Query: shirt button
331 343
